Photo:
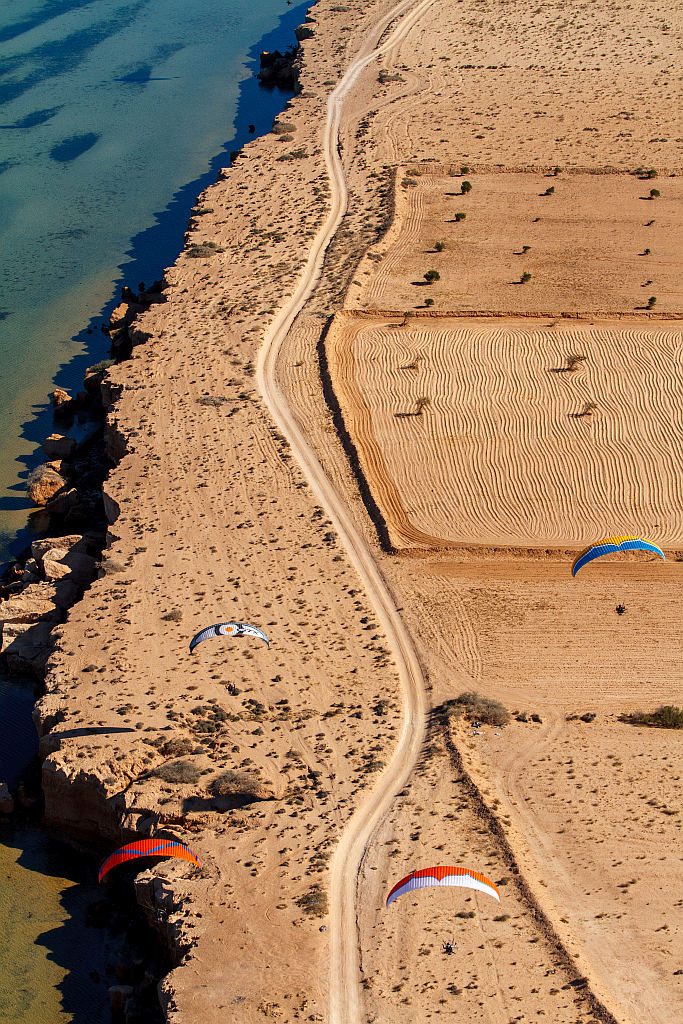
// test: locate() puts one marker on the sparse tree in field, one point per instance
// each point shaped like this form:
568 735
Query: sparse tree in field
557 170
652 173
465 187
526 276
464 170
549 191
651 301
573 362
525 248
459 217
421 404
431 276
429 302
439 246
654 193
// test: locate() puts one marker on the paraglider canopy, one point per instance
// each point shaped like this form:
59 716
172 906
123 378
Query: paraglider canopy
228 629
148 848
612 544
443 876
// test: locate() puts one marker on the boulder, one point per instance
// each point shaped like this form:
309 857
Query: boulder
27 649
57 446
43 484
119 995
61 401
73 542
6 800
34 604
60 505
25 799
303 32
60 563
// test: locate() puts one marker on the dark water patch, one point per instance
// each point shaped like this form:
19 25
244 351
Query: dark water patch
72 235
59 56
6 165
4 313
34 119
71 148
20 742
60 926
40 16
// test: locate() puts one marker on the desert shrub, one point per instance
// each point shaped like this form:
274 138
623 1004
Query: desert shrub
215 400
573 362
282 127
421 404
465 914
296 154
177 747
196 252
314 902
177 771
549 191
464 170
651 301
431 276
483 709
98 367
429 302
465 187
459 217
231 783
526 276
654 193
652 173
439 246
409 183
557 170
175 615
667 716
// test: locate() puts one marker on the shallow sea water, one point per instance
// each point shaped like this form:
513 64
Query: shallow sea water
114 115
109 109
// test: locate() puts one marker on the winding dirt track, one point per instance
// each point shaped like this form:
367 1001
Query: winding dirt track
344 996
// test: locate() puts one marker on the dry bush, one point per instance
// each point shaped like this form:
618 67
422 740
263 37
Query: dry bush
232 783
177 771
483 709
314 902
175 615
667 716
177 747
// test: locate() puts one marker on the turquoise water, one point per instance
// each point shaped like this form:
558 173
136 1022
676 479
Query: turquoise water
113 116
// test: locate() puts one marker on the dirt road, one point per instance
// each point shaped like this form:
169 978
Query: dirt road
344 988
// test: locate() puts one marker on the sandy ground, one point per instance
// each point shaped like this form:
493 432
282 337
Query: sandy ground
212 519
598 243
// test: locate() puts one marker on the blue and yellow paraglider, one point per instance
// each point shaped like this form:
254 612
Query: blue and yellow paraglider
612 544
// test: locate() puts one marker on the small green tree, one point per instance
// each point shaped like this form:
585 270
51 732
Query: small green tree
654 193
429 302
652 173
557 170
549 191
459 217
526 276
651 301
439 246
525 248
465 187
431 276
464 170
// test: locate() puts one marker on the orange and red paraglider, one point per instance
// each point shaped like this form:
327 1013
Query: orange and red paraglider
612 544
443 876
149 848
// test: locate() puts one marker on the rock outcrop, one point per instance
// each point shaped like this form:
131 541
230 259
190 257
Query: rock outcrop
57 446
43 484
